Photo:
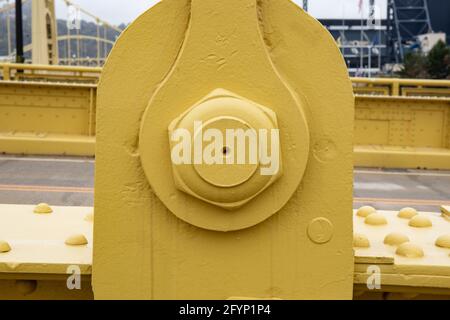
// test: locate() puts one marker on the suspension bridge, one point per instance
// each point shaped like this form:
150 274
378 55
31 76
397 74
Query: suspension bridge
82 38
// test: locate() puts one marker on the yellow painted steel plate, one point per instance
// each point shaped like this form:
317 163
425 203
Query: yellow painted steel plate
37 241
410 252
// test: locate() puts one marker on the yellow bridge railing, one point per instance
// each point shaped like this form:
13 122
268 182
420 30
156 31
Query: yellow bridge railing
364 86
46 73
52 110
401 87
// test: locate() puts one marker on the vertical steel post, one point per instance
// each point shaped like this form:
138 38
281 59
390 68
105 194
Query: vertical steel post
19 33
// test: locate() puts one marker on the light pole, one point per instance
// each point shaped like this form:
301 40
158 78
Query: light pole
19 33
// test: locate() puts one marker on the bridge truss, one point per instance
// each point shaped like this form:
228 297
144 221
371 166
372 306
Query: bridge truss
407 19
82 38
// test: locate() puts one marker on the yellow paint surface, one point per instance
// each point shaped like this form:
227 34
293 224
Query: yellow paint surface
418 263
390 131
37 241
187 49
35 264
38 263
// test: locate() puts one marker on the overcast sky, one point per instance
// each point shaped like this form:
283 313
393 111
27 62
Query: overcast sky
125 11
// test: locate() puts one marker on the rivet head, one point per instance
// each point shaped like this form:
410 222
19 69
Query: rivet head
320 230
410 250
443 241
365 211
43 208
4 247
407 213
395 239
420 222
446 212
89 217
360 241
375 219
76 240
446 215
26 287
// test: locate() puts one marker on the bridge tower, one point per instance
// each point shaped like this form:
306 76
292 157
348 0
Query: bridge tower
44 32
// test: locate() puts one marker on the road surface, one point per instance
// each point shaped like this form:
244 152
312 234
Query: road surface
70 182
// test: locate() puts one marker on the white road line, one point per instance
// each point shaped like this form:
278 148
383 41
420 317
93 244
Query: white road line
388 173
47 159
380 186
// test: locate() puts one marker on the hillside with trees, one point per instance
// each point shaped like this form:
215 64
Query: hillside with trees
88 48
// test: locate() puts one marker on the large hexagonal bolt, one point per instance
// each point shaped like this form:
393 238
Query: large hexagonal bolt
225 149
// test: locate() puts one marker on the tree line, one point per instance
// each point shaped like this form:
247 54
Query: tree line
434 65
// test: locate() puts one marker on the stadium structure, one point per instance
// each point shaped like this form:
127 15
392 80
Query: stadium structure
378 44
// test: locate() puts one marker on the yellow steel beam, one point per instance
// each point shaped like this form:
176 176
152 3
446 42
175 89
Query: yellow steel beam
426 92
12 71
405 87
403 132
405 254
39 264
200 67
24 66
47 144
402 82
372 86
401 157
83 37
55 118
45 252
43 118
47 118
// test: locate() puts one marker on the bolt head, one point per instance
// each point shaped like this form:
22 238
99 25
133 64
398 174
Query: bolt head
223 134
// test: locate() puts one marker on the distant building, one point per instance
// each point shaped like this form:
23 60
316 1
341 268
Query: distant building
368 47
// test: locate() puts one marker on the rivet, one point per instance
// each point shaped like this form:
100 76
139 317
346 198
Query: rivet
325 150
420 222
76 240
445 211
360 241
395 239
89 217
375 219
409 250
365 211
443 241
43 208
407 213
4 247
320 230
26 287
